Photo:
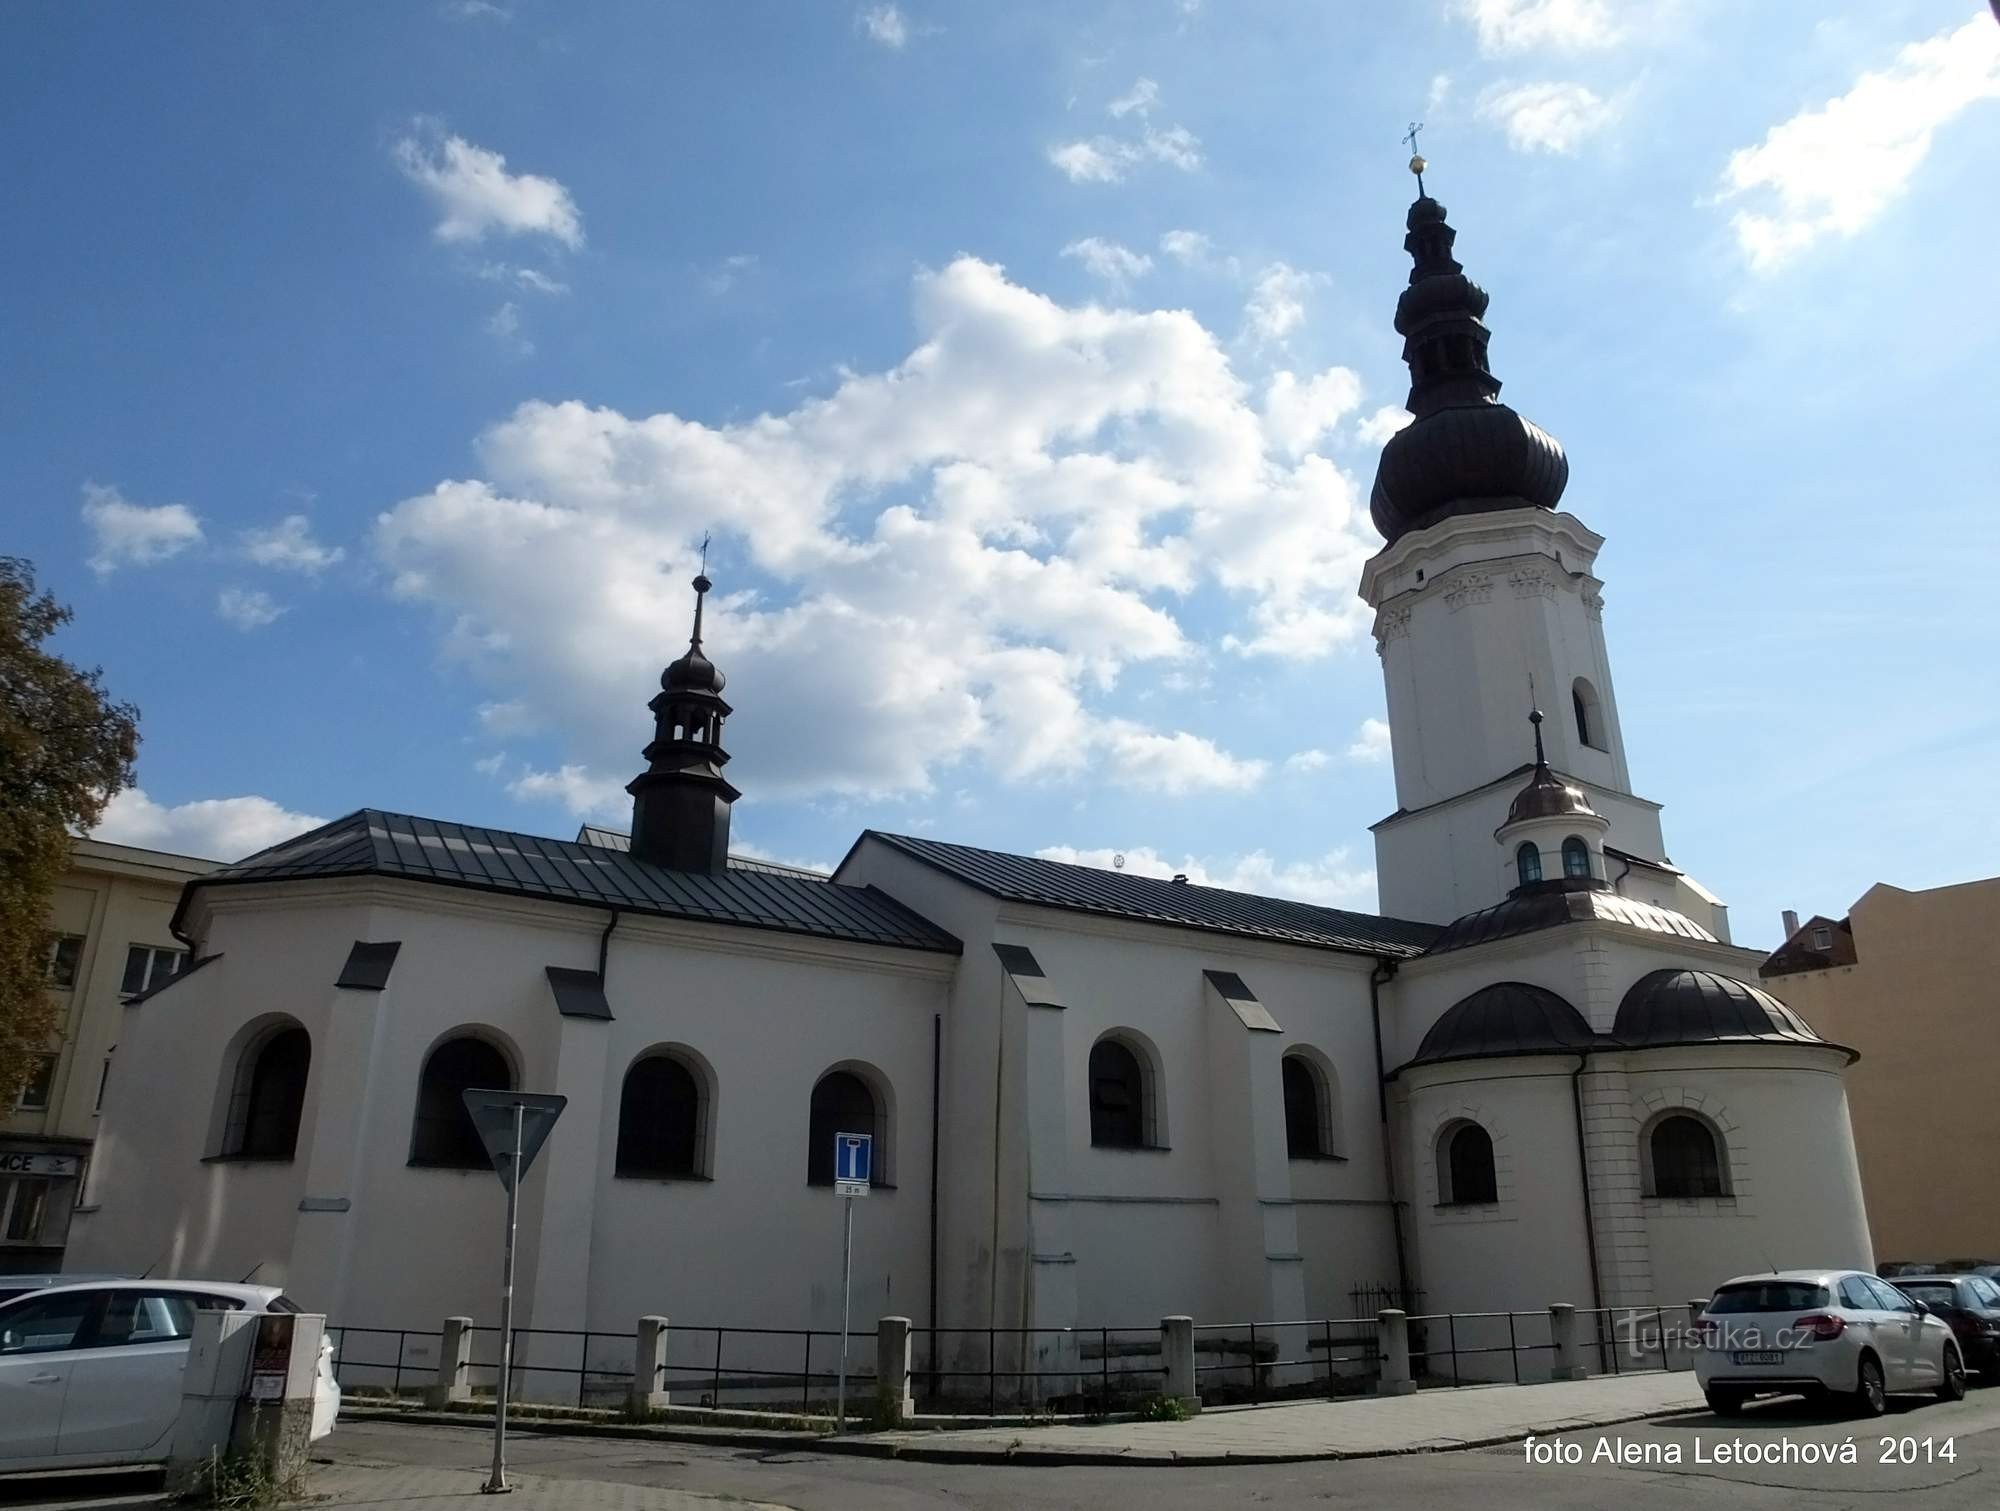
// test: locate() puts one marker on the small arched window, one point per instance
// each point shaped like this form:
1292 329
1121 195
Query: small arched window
1685 1160
444 1135
1302 1110
1576 857
843 1103
1528 862
1465 1168
1117 1097
661 1119
269 1096
1589 714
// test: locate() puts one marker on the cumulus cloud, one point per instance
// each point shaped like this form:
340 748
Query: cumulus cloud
1277 304
1297 412
1331 880
1547 117
1508 26
225 828
887 25
1189 248
1831 170
581 793
289 546
951 560
476 195
247 608
1308 760
1107 159
1115 264
1371 743
1383 423
125 534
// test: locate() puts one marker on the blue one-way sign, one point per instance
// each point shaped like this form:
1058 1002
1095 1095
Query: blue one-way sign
852 1157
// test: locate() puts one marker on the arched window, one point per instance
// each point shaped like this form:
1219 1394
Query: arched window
1576 857
1465 1167
1684 1158
844 1103
444 1135
1303 1133
1119 1112
268 1096
662 1117
1528 861
1589 714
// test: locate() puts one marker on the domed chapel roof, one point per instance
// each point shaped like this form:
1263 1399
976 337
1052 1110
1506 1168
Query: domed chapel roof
1506 1018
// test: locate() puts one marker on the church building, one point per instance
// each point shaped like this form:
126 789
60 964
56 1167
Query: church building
1543 1075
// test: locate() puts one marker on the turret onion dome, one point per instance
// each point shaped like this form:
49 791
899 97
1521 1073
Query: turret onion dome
1506 1018
1701 1007
1547 795
1465 452
694 672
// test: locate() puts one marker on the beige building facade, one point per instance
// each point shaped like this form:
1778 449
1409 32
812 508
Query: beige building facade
108 941
1920 1002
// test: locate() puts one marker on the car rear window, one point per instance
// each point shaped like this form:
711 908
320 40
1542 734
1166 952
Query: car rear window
1936 1293
284 1304
1768 1296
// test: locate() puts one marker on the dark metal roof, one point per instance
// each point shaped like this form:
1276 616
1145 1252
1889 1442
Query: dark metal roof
369 842
1506 1018
579 994
1700 1007
368 965
174 980
1549 904
1146 899
618 839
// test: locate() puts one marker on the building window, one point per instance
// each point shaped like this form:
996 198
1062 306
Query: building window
844 1103
1465 1167
1576 857
24 1207
1118 1108
661 1118
1822 938
1684 1159
444 1136
1589 714
1528 862
148 966
41 1081
62 957
1312 1109
269 1096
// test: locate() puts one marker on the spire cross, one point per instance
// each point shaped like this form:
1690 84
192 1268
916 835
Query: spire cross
701 587
1535 718
1417 164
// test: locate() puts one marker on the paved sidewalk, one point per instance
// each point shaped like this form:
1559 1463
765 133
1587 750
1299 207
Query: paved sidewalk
409 1488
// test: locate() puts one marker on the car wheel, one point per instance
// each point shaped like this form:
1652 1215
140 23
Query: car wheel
1723 1402
1871 1391
1952 1386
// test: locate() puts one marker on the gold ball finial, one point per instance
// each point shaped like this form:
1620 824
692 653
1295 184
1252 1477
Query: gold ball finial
1417 165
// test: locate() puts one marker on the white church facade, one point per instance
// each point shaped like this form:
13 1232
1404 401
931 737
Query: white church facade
1097 1098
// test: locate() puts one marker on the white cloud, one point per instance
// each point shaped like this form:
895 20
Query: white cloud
512 717
248 608
225 828
1507 26
1308 760
125 534
723 277
289 546
887 25
581 793
1140 98
1547 117
1189 248
1297 413
1371 743
476 195
1115 264
1277 304
1103 161
504 326
1833 169
1331 880
1175 146
534 280
1440 91
1383 423
477 10
949 561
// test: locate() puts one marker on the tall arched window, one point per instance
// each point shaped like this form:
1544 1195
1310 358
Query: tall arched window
1684 1158
1120 1114
1465 1167
1576 857
268 1096
1589 714
662 1115
444 1135
1528 862
843 1103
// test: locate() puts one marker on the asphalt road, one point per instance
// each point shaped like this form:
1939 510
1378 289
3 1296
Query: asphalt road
1494 1479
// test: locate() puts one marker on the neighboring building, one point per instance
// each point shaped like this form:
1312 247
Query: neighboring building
1097 1098
1912 980
108 941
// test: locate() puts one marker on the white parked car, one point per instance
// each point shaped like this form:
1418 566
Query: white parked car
90 1375
1837 1333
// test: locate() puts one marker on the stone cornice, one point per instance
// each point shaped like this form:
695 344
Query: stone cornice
1487 539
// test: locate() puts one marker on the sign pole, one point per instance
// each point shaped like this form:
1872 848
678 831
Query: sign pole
846 1291
497 1484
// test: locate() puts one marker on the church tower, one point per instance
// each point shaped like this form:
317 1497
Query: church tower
680 802
1484 601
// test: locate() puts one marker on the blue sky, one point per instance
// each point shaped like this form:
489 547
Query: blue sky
374 371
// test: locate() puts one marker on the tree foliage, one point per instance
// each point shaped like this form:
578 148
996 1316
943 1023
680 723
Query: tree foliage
65 749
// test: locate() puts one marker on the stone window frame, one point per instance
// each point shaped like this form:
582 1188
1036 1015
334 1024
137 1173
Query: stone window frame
1503 1206
510 1056
1330 1114
229 1118
696 1064
1152 1092
1650 1108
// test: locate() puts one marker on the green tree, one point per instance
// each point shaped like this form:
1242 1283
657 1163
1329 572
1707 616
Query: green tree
65 749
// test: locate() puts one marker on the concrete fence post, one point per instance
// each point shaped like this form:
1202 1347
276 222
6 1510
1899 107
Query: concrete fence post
892 1370
1564 1364
454 1375
1177 1357
649 1367
1392 1328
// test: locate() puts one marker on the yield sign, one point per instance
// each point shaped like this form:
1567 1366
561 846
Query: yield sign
494 1115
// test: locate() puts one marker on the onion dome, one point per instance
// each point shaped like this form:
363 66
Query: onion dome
1506 1018
1702 1007
1465 452
1547 795
694 672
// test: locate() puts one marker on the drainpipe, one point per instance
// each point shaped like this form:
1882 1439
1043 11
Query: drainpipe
604 945
937 1062
1384 972
1583 1183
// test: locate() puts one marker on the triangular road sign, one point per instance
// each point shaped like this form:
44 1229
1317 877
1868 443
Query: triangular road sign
493 1115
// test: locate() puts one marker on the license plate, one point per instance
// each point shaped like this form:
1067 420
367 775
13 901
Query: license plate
1766 1357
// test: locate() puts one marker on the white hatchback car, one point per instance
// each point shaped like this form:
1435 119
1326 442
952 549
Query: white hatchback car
90 1375
1819 1333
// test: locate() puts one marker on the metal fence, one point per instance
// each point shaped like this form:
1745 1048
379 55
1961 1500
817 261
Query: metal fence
1076 1369
1260 1361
